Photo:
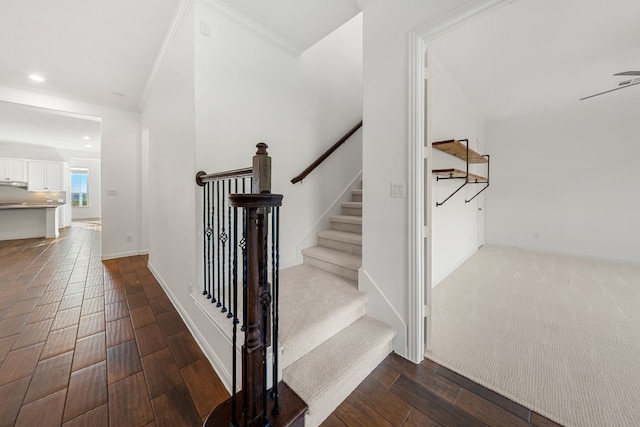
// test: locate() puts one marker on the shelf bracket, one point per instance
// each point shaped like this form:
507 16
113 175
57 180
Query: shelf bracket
488 178
451 195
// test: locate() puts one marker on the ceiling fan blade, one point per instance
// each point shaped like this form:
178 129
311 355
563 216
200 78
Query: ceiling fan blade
628 73
610 90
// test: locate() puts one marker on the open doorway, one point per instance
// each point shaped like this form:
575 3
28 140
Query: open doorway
85 193
525 316
52 147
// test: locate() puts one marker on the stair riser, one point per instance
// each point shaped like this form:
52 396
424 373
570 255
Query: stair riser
344 226
321 333
332 268
349 248
352 211
333 398
356 197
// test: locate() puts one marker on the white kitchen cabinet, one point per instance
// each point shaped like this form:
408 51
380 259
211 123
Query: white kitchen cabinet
13 170
45 176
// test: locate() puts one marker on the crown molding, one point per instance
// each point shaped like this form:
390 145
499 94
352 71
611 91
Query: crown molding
362 4
176 23
252 26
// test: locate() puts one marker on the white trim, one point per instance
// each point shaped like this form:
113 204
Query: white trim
217 364
428 206
253 27
415 344
379 307
176 23
419 267
122 254
434 29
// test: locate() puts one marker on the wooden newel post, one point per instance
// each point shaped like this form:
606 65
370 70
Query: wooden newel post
258 296
252 353
261 170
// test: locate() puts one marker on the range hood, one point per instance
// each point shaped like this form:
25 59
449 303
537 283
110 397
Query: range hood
17 184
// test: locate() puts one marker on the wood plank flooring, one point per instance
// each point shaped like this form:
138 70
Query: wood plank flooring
91 343
84 342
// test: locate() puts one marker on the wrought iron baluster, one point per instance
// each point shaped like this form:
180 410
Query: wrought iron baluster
243 244
210 245
245 267
275 283
234 368
223 238
218 303
231 230
205 253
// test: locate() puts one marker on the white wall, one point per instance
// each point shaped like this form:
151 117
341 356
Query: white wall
120 165
93 210
454 224
216 97
384 275
169 117
569 177
248 90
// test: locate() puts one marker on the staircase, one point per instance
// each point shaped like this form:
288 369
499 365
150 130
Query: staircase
329 343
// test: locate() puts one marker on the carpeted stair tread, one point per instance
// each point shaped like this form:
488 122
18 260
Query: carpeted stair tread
327 375
314 305
355 205
332 256
347 219
341 236
349 223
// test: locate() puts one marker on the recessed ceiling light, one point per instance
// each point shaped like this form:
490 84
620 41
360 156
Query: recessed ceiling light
37 78
88 145
86 138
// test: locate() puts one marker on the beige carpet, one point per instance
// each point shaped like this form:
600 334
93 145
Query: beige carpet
558 334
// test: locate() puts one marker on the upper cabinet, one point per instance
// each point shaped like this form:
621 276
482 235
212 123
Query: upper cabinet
45 176
13 170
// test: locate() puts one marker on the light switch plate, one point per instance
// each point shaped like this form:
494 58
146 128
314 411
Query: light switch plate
398 189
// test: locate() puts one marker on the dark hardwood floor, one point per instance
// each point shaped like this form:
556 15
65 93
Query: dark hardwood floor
87 343
91 343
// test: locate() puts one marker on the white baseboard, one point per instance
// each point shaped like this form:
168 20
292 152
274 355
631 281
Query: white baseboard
123 254
209 352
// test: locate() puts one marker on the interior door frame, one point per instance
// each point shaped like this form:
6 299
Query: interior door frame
419 260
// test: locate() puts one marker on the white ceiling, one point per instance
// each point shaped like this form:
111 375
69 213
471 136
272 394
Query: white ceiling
301 23
535 55
39 126
91 49
85 49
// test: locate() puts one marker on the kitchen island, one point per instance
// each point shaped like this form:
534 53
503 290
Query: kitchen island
28 220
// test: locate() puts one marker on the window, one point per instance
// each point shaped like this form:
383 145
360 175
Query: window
80 187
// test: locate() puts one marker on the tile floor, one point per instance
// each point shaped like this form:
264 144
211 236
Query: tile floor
91 343
84 342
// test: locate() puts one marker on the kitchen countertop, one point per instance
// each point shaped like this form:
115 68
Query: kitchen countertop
29 205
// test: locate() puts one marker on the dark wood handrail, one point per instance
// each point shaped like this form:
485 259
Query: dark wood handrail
202 177
326 154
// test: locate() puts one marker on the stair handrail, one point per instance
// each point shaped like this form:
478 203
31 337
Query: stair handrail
326 154
203 177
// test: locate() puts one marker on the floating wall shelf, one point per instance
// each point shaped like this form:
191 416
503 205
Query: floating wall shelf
462 151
